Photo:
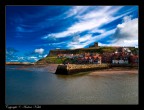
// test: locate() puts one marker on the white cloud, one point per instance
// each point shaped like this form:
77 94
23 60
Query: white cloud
130 43
91 20
97 30
88 39
36 59
75 38
13 60
46 36
33 57
126 34
127 18
97 14
85 38
49 37
20 58
79 42
94 19
40 51
76 10
40 56
45 55
75 45
87 24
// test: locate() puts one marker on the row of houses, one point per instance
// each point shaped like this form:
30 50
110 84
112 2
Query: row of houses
120 56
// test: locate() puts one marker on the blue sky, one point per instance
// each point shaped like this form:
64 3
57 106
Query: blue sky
31 31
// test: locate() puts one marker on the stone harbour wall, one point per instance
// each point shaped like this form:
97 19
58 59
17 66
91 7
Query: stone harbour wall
76 68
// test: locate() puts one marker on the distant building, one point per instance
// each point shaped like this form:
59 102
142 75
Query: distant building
134 59
100 54
95 45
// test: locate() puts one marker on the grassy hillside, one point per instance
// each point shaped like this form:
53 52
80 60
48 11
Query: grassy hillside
55 60
52 57
83 50
51 60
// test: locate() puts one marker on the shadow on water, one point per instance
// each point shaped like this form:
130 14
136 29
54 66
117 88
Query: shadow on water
76 75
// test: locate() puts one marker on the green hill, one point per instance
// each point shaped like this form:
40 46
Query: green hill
53 59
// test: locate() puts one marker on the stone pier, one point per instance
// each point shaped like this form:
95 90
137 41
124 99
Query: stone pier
76 68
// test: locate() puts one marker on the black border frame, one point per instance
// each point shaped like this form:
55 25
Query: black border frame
36 2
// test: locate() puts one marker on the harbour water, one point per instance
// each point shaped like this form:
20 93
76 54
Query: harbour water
38 86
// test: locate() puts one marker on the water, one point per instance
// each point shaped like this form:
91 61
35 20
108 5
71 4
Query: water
38 86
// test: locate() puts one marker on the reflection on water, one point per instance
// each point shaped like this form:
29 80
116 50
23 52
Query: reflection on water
41 87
